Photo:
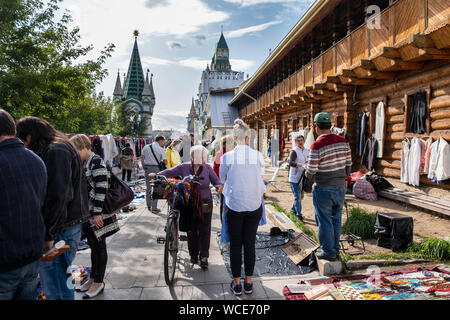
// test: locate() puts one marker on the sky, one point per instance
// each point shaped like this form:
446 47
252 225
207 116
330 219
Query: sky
177 39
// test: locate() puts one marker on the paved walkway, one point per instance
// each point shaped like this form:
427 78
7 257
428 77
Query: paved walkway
135 266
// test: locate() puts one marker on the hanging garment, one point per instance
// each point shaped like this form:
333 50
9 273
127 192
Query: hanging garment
442 172
419 113
404 162
426 168
369 156
309 139
361 133
434 152
379 128
415 156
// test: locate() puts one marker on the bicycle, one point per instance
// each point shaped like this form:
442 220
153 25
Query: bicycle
172 238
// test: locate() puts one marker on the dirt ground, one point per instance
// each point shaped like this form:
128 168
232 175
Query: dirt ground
425 224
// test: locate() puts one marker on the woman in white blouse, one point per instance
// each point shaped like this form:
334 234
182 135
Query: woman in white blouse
242 172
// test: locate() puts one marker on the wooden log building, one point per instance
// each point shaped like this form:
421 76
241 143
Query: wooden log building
334 60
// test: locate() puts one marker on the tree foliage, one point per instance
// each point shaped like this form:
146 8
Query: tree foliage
39 70
127 122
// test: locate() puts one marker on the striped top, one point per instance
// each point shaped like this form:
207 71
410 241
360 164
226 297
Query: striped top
97 176
330 160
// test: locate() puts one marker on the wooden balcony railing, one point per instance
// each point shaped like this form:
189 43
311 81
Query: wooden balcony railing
398 24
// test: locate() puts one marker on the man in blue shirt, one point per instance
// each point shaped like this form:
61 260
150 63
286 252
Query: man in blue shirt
23 185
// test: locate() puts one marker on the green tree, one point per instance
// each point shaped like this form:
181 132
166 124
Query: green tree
127 123
39 75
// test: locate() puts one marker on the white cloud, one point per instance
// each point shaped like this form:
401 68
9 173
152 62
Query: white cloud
246 3
241 32
155 61
113 21
194 63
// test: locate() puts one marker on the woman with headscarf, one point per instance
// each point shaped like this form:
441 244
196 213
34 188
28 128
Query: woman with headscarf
200 234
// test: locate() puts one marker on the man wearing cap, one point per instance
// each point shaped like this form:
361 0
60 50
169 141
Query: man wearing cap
329 165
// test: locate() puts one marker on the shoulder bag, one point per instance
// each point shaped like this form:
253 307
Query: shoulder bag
161 164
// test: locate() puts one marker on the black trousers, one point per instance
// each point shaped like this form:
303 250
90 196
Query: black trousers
128 172
199 238
99 255
242 228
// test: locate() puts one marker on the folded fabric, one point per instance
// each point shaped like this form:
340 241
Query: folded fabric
363 189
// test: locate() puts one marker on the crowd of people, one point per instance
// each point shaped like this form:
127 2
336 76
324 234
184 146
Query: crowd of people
54 189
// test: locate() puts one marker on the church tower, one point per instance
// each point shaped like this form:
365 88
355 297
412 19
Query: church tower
192 116
221 58
137 94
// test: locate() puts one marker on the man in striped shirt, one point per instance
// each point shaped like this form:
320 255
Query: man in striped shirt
329 165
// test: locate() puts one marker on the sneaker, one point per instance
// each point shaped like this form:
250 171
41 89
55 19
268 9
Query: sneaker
236 289
204 263
300 218
248 288
321 255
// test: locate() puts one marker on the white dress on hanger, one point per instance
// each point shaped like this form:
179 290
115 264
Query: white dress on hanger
404 160
379 128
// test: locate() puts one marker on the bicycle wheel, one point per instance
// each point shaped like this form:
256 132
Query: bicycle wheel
170 251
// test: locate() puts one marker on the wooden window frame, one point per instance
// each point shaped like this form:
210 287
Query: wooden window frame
407 110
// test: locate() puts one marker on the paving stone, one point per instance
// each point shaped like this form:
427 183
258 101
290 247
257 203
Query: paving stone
161 293
203 292
274 288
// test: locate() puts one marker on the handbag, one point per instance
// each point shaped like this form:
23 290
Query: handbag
118 196
161 164
305 184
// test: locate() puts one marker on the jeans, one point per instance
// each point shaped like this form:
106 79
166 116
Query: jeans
151 204
21 283
99 254
128 173
328 202
242 228
298 197
55 275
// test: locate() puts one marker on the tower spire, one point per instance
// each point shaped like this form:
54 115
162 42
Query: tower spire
134 83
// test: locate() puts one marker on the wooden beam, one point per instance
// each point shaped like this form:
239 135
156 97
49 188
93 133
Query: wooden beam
387 64
374 74
356 81
390 52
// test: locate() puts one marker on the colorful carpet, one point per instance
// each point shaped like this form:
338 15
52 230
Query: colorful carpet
409 284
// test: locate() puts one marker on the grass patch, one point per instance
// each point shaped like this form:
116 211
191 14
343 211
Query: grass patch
360 223
309 232
428 249
431 248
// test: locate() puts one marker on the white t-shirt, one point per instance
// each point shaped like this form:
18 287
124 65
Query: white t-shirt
149 159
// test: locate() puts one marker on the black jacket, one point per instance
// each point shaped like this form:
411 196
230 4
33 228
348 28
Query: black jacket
66 202
23 183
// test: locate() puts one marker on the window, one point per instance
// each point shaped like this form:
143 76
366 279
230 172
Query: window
417 118
225 53
219 53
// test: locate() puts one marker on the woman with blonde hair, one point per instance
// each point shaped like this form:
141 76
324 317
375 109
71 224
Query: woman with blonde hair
172 154
200 234
242 171
101 226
